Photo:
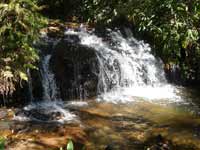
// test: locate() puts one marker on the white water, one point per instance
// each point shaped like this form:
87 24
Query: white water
46 109
50 108
48 81
127 69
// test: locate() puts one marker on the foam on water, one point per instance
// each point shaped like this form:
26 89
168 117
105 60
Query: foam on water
76 104
51 111
51 107
127 69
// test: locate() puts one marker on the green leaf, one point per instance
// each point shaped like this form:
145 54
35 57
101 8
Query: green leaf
70 145
2 143
23 76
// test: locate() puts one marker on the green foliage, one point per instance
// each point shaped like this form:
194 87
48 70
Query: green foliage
2 143
70 145
173 26
19 29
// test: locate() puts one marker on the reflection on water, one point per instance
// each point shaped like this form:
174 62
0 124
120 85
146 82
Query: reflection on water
133 126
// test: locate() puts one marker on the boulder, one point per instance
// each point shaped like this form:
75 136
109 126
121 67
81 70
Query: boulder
75 69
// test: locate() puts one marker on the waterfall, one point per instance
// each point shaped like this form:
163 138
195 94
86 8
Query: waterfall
126 71
51 107
127 68
48 80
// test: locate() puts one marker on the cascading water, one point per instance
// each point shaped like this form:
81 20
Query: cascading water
50 108
127 68
48 81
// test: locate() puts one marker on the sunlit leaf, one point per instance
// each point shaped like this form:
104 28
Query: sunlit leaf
7 74
70 145
23 76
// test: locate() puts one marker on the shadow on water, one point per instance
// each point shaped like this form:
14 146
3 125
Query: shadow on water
139 125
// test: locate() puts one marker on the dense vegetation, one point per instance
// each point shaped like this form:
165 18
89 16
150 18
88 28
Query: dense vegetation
19 28
172 27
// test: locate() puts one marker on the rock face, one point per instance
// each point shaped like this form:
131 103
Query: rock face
37 90
75 69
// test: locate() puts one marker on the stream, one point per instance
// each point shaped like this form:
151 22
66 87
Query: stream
134 108
97 125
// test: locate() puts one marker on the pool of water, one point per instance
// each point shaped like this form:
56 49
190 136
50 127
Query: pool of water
135 125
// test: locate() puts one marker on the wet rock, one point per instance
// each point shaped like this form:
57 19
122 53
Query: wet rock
173 73
33 114
54 32
55 29
75 68
3 114
41 115
56 115
37 89
109 147
71 38
18 127
160 143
